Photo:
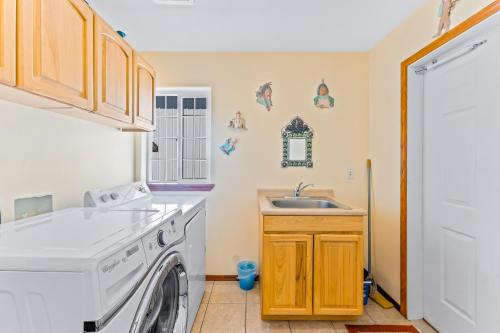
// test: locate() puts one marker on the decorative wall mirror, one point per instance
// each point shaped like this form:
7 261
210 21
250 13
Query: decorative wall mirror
297 144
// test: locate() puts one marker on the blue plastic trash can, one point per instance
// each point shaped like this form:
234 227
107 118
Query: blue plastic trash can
246 274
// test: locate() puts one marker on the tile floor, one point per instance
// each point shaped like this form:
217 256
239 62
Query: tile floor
228 309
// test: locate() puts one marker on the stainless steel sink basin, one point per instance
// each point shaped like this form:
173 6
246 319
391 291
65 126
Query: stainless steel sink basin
305 203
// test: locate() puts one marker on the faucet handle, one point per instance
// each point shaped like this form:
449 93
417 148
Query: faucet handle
308 185
300 188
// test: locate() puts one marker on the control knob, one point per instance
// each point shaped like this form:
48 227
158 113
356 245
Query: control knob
104 198
114 195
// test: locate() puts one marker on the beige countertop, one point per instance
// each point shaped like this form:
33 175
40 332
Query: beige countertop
266 208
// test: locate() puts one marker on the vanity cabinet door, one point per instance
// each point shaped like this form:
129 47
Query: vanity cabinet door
144 94
8 42
287 274
338 274
55 50
113 62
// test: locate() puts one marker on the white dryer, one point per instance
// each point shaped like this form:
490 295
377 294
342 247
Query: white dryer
80 270
194 213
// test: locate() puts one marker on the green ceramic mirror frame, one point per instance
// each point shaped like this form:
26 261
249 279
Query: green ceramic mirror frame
297 135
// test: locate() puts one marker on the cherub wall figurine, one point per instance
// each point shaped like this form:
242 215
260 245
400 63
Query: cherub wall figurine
323 100
238 122
228 146
445 9
264 95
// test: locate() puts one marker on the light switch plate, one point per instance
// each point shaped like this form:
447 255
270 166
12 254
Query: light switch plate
350 174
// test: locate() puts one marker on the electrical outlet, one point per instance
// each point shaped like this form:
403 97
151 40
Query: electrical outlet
350 174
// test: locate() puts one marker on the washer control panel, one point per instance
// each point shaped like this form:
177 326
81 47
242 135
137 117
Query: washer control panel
122 269
161 237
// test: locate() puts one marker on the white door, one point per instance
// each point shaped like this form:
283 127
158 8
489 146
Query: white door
461 192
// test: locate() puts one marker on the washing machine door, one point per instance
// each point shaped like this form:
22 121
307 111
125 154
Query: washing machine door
164 307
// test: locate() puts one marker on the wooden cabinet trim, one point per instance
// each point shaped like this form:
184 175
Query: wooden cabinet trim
313 224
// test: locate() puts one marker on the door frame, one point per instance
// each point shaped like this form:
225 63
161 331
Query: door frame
411 248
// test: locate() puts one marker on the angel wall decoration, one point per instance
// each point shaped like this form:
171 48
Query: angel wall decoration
444 13
228 146
264 95
238 122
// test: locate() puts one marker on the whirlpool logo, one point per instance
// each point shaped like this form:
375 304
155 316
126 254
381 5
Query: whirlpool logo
108 268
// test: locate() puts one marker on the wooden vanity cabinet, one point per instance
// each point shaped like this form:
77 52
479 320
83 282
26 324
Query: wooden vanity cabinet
311 267
144 94
8 42
113 73
55 50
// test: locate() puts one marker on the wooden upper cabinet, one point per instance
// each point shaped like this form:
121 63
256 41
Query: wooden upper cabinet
287 274
144 94
55 50
113 78
338 274
8 42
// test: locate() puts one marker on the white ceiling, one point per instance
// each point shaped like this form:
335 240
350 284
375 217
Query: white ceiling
256 25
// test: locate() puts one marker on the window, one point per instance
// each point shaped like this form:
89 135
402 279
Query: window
180 144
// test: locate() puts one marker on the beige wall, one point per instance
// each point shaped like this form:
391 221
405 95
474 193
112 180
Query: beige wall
43 152
341 136
48 153
413 34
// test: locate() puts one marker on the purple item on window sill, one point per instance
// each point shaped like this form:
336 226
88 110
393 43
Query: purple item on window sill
158 187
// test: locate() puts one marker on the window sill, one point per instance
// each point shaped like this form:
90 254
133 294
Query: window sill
163 187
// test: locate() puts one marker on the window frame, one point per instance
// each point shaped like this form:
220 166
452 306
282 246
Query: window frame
181 93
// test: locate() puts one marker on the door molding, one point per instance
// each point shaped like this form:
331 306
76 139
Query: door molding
460 29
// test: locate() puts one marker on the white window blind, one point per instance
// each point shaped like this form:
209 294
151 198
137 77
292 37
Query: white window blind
180 144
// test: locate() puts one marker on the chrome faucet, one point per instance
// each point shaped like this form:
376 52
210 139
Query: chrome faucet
297 190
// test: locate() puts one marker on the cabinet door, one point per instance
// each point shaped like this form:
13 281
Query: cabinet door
56 50
113 62
287 274
144 94
338 275
8 42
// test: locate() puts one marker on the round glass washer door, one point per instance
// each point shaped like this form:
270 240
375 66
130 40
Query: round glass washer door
163 308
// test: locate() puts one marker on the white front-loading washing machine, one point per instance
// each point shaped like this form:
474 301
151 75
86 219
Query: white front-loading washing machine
137 197
159 304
